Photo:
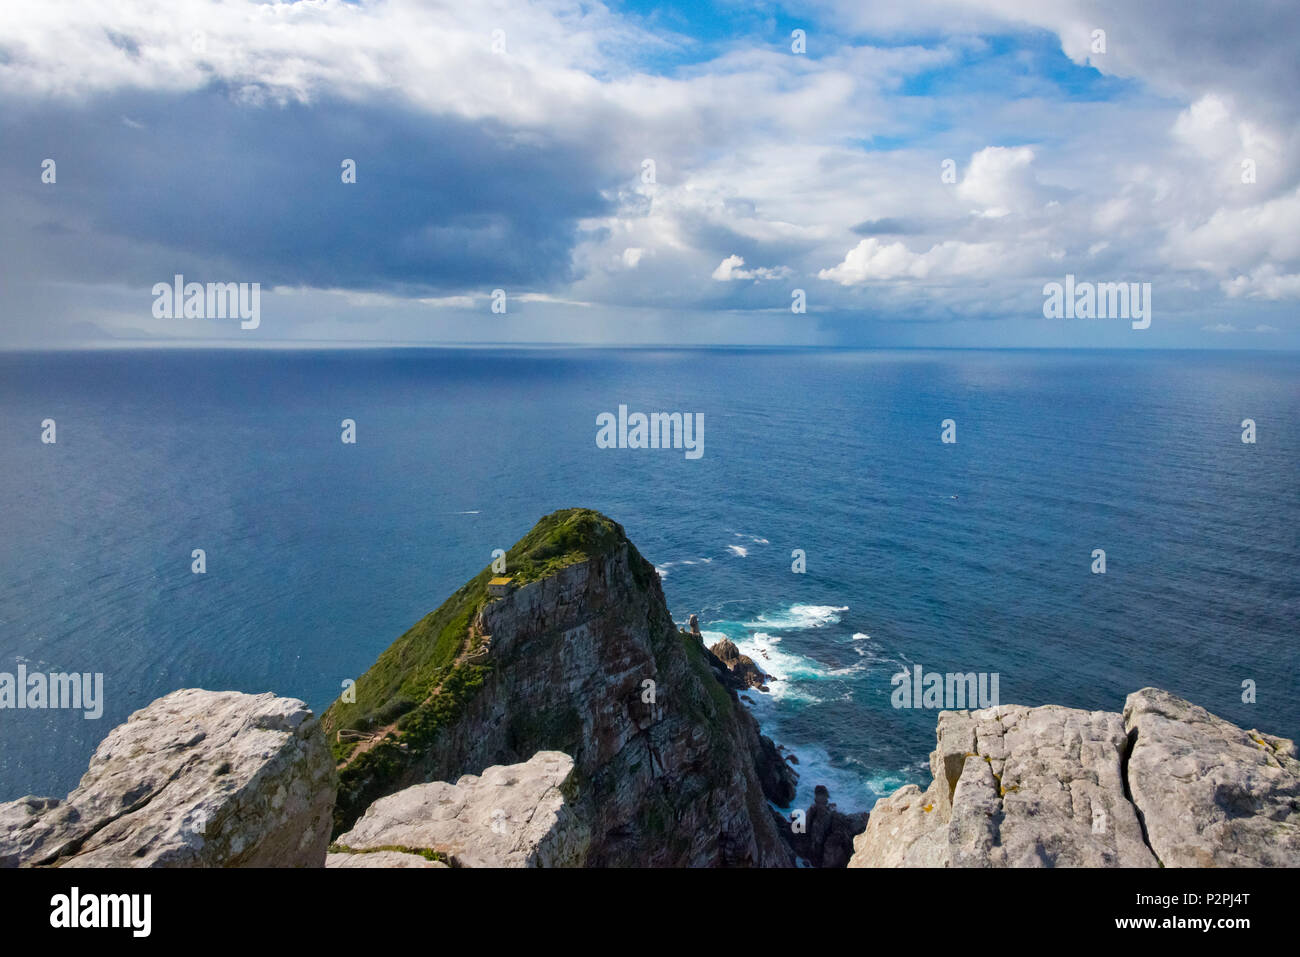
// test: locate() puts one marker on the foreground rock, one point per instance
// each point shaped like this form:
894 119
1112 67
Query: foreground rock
384 859
510 816
1048 787
1209 793
196 779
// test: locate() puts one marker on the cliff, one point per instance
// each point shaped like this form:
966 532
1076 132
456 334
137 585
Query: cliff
582 657
1166 783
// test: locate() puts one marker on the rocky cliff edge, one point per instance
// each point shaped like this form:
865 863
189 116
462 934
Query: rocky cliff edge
1165 783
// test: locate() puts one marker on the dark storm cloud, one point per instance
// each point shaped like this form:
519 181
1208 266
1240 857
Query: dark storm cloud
439 204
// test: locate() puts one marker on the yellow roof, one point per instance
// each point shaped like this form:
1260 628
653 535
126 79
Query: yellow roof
501 581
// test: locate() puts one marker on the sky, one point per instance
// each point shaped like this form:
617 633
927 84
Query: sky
634 173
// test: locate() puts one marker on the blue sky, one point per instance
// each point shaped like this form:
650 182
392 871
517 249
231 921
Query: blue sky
505 145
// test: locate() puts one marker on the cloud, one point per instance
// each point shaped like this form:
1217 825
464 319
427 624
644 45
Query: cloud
729 269
1000 181
439 204
1264 283
871 259
1228 327
209 142
1176 50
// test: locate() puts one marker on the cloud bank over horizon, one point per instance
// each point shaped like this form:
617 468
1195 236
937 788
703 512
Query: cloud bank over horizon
628 173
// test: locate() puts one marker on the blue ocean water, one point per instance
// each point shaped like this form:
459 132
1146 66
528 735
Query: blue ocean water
973 556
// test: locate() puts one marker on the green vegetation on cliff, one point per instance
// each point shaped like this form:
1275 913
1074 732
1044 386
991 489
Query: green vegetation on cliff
562 538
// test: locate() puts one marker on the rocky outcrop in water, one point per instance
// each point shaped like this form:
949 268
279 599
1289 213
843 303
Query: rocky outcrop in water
826 836
739 667
196 779
510 816
1164 783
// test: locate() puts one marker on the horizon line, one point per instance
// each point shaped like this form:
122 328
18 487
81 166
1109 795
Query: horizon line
360 346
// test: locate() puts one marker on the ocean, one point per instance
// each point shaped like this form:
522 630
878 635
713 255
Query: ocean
971 556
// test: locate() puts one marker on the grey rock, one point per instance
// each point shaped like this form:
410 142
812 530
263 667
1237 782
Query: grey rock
1013 787
380 859
195 779
1209 793
509 816
1165 783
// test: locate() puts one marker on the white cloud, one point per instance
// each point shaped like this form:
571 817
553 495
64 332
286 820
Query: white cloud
450 302
1000 181
729 269
1244 238
1264 283
873 260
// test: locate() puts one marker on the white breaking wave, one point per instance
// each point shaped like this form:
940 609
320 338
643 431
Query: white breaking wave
786 669
849 792
663 569
798 681
801 616
762 648
791 668
871 652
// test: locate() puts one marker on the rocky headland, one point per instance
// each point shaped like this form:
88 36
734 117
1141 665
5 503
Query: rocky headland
556 716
